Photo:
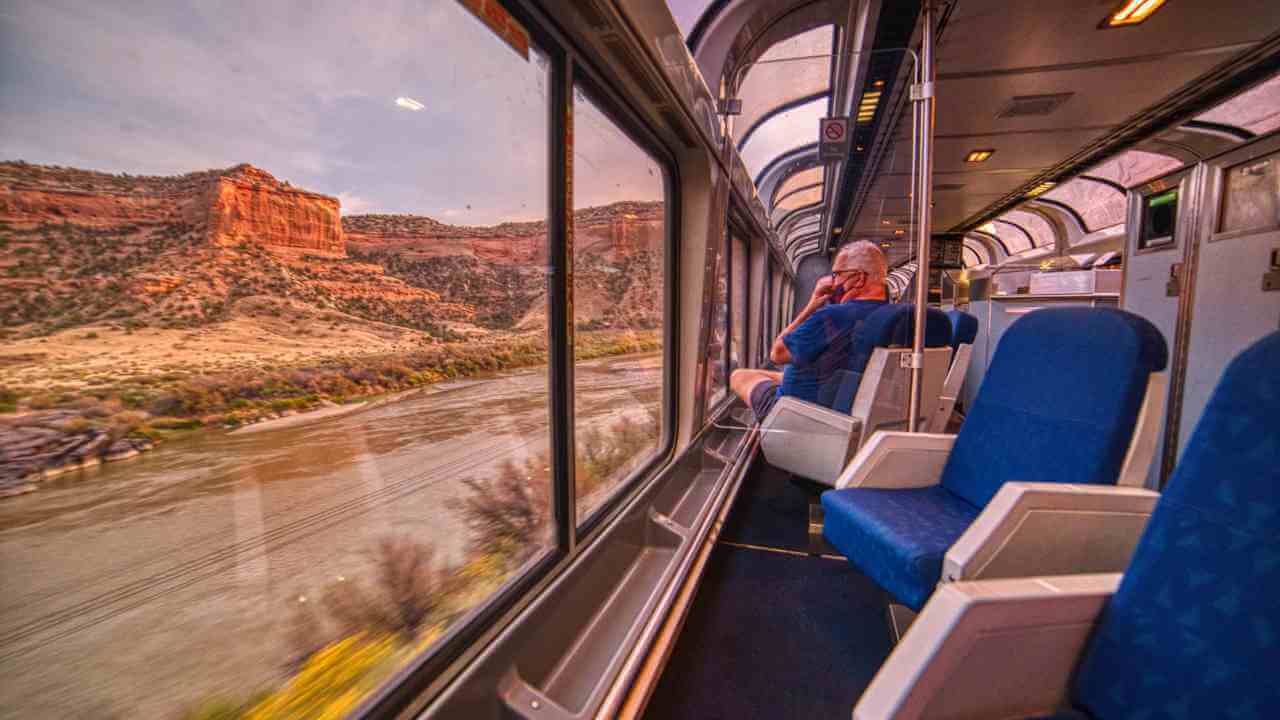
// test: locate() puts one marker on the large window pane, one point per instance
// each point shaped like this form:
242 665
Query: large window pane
783 132
1098 204
618 303
795 68
273 373
739 288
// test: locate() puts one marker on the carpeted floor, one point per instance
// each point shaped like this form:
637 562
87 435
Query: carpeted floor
772 509
774 635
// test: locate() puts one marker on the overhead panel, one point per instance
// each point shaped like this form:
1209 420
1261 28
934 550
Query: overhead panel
775 80
1098 204
783 132
1256 110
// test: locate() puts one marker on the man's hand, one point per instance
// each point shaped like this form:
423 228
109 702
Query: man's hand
822 292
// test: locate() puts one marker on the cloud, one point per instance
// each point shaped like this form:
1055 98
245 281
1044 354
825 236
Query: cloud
354 204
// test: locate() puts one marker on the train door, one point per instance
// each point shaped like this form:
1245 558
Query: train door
1160 221
1237 286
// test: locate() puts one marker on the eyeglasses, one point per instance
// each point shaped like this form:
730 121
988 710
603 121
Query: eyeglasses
835 274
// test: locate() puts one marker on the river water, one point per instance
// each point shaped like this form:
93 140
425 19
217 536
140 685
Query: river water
142 587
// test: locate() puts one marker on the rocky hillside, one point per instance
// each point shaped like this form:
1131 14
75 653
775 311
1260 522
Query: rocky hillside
80 247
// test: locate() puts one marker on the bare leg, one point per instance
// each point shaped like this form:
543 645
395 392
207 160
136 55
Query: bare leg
744 380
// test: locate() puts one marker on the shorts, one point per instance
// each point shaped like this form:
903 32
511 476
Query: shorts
763 396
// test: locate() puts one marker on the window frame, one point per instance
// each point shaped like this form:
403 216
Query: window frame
628 120
419 681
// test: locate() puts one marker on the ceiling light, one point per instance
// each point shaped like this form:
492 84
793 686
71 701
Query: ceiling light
878 83
410 104
989 228
1132 12
899 231
1041 189
886 222
867 106
977 156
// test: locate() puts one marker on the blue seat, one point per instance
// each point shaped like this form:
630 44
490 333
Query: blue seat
888 326
1194 628
1019 429
964 328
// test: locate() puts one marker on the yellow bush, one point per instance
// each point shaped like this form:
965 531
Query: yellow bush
332 682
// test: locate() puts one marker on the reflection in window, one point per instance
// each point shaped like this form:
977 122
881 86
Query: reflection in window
1251 196
781 133
780 76
718 333
618 303
1099 205
254 256
1256 110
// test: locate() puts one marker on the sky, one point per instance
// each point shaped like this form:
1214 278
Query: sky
308 92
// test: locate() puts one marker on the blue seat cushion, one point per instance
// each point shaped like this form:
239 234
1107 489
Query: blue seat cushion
897 537
964 328
1193 631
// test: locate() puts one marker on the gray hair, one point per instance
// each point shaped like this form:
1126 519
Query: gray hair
865 256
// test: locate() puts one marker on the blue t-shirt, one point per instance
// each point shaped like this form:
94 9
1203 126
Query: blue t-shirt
821 346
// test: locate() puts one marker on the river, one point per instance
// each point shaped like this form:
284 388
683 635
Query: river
139 588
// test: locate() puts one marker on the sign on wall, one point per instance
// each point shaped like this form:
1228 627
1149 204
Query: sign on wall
833 138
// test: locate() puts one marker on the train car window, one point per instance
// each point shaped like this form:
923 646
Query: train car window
619 247
1098 204
779 134
1016 240
804 178
1251 196
1253 110
687 13
1039 229
779 78
739 289
1134 167
718 332
278 325
1159 219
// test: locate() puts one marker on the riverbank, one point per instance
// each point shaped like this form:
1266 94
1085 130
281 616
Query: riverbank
51 431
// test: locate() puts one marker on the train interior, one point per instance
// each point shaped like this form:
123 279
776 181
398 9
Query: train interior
424 406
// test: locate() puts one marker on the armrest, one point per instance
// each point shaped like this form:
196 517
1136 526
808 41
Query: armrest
898 460
807 439
1033 529
993 648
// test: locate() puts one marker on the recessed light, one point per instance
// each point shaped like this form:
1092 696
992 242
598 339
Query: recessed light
899 231
1041 189
886 222
977 156
1131 13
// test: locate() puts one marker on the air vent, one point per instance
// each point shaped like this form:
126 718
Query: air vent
949 187
1024 105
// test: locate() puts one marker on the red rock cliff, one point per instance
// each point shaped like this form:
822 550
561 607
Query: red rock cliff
249 205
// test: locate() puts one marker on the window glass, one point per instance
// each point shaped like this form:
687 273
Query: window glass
1099 205
739 288
781 133
1159 219
1013 238
1251 196
799 198
804 178
971 258
770 84
718 333
687 13
274 330
1134 167
1039 229
1256 110
619 246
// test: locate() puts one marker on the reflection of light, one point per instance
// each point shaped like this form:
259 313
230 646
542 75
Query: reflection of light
410 104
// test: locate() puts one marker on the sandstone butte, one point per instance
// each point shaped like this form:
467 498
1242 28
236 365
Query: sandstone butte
340 257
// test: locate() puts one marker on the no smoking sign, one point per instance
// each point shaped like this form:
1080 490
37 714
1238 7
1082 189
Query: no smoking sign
833 138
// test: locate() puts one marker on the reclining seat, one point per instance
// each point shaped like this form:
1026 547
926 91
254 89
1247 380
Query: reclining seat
907 498
1191 630
964 330
816 441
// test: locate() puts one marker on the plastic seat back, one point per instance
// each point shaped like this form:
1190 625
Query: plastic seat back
1194 628
1058 403
891 325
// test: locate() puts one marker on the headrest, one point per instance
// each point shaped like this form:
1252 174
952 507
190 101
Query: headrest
893 325
964 328
1059 401
1196 609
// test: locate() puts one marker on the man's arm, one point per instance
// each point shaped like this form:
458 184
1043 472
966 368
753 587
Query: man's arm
779 353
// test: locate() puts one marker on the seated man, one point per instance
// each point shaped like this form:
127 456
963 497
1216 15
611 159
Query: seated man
818 342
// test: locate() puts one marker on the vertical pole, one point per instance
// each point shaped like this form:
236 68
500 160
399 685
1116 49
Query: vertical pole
922 99
560 310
